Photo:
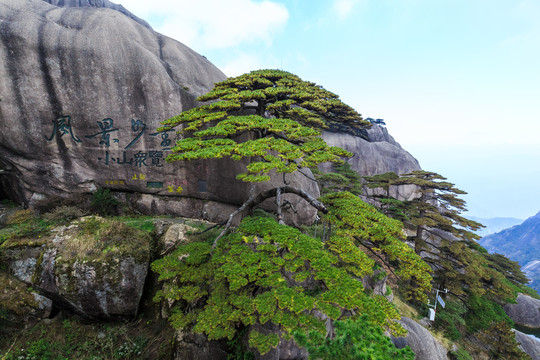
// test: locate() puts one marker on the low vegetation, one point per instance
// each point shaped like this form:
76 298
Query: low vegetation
74 338
353 339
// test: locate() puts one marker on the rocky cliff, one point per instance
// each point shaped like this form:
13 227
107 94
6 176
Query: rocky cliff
93 267
526 312
86 84
377 154
84 90
98 4
424 345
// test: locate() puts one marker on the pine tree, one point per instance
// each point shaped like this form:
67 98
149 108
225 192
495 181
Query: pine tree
265 271
437 206
271 117
344 178
499 341
270 273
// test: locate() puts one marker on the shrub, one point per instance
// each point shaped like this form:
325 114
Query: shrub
483 312
63 215
353 340
104 203
10 204
462 354
36 350
450 320
20 216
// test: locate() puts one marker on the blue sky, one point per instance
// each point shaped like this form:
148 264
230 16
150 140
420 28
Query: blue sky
457 82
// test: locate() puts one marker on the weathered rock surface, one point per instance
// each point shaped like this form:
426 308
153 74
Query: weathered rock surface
377 155
424 345
85 86
289 350
22 305
528 344
377 284
526 312
197 347
175 235
98 4
97 278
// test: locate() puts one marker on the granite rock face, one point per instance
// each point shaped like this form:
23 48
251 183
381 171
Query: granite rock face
98 4
377 155
528 344
85 86
526 312
424 345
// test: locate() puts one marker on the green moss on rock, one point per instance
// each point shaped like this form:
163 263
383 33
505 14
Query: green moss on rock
14 296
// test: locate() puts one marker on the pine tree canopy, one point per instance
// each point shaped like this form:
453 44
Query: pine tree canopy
455 262
436 205
271 117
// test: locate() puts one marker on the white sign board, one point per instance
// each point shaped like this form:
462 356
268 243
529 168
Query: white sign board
441 301
431 314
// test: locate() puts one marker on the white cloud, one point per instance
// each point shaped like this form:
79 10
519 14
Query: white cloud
212 24
345 7
242 64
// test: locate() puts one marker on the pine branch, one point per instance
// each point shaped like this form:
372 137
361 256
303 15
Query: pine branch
255 200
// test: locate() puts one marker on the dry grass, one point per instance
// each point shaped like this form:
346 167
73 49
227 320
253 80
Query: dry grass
81 245
63 214
20 216
439 335
404 309
96 237
87 239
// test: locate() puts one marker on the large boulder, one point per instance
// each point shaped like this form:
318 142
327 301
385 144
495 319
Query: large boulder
94 267
85 85
424 345
526 312
377 154
528 344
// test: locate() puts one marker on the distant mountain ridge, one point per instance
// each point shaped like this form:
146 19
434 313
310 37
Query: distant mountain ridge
494 225
520 243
